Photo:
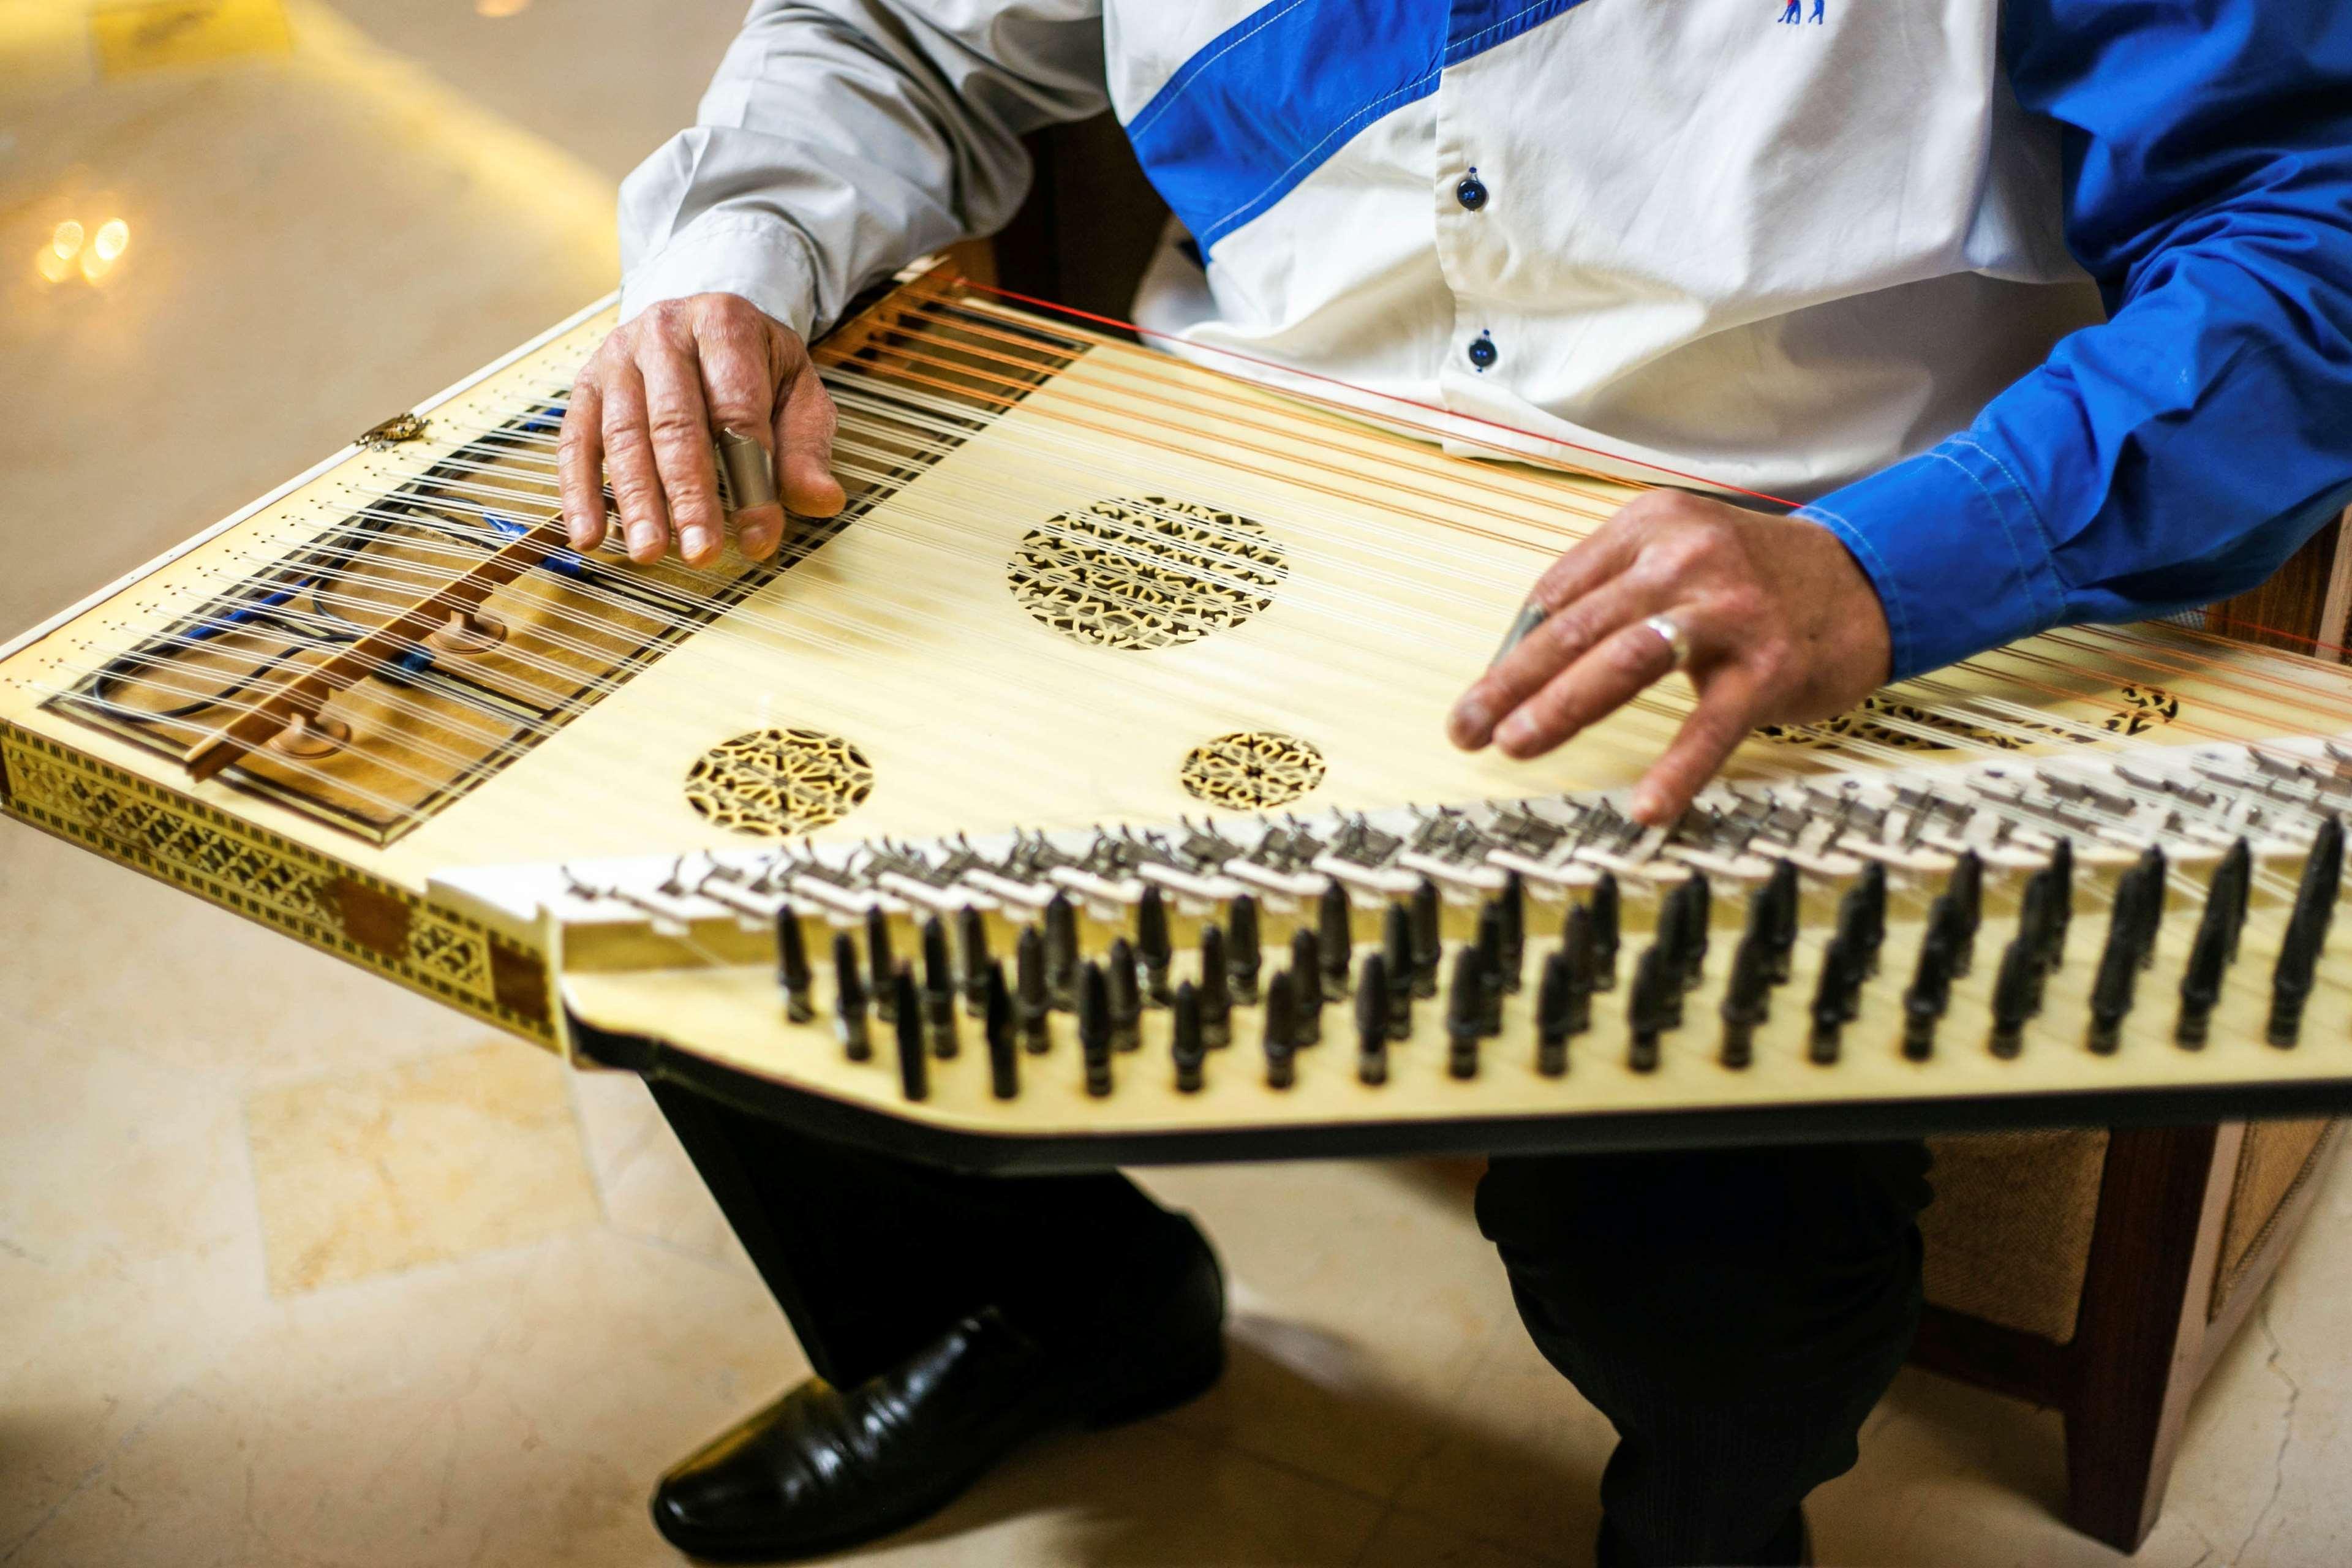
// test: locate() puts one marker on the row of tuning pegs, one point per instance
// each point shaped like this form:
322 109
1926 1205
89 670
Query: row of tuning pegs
920 996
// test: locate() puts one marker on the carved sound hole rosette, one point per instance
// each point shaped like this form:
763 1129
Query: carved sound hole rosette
777 782
1254 770
2135 710
1146 571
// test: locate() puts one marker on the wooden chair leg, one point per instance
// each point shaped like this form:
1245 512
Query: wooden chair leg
2142 1324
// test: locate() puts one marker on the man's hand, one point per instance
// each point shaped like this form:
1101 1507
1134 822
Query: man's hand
1782 627
643 411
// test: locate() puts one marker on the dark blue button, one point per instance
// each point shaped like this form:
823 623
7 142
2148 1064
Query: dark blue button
1471 193
1482 350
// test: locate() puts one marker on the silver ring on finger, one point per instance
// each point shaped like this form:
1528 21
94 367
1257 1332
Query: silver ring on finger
748 476
1670 631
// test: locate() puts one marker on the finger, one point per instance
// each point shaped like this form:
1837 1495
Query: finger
1561 640
1730 707
680 424
629 465
739 386
1592 561
804 427
1607 677
580 468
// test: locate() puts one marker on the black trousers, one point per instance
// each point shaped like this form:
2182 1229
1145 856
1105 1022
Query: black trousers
1735 1314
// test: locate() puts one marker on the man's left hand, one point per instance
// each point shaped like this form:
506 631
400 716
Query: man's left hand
1781 625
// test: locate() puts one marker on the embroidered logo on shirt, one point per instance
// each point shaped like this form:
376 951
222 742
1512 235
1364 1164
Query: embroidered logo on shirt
1796 12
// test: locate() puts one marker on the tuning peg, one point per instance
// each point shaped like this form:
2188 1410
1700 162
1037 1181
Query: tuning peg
939 989
881 966
1699 921
1216 990
1645 1009
1747 997
1774 914
1965 887
1062 952
2111 987
2212 949
2060 872
1465 1012
1834 994
1187 1047
1607 924
1335 937
1281 1040
907 1013
1428 939
1373 1020
1307 978
1399 962
1095 1026
2232 885
1578 947
996 1010
1929 994
793 968
1152 945
971 941
1243 957
1033 1000
2016 994
1125 997
1512 902
2307 932
849 1000
1489 948
1556 1008
1871 890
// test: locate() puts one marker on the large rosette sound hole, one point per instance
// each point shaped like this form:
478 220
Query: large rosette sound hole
1145 572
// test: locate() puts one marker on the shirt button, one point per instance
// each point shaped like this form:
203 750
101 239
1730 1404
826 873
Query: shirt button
1482 350
1472 191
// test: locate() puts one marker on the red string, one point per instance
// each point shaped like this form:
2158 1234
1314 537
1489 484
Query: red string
1366 391
2297 638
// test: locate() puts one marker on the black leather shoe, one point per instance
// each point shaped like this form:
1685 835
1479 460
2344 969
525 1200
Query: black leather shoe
823 1469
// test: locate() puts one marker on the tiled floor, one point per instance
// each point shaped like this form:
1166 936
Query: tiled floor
297 1269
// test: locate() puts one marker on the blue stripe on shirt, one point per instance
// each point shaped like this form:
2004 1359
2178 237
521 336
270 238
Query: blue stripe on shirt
2179 452
1264 103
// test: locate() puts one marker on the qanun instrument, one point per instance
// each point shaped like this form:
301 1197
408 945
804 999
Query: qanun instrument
1078 796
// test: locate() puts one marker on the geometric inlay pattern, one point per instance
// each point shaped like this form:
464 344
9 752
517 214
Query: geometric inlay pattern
1882 721
265 878
1254 769
776 783
1145 573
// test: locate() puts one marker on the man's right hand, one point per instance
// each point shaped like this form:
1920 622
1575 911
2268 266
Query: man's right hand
642 413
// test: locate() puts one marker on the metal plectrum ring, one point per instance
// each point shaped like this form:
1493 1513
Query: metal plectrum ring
746 471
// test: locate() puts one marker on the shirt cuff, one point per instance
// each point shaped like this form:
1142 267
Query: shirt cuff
758 256
1956 551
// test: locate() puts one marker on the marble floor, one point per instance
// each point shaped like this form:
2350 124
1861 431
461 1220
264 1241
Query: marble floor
299 1269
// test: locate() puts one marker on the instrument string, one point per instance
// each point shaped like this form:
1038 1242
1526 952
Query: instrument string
2234 654
1946 738
1451 417
1115 367
756 662
1215 571
883 454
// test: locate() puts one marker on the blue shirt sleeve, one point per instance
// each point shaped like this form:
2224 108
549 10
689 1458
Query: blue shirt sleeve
2180 451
